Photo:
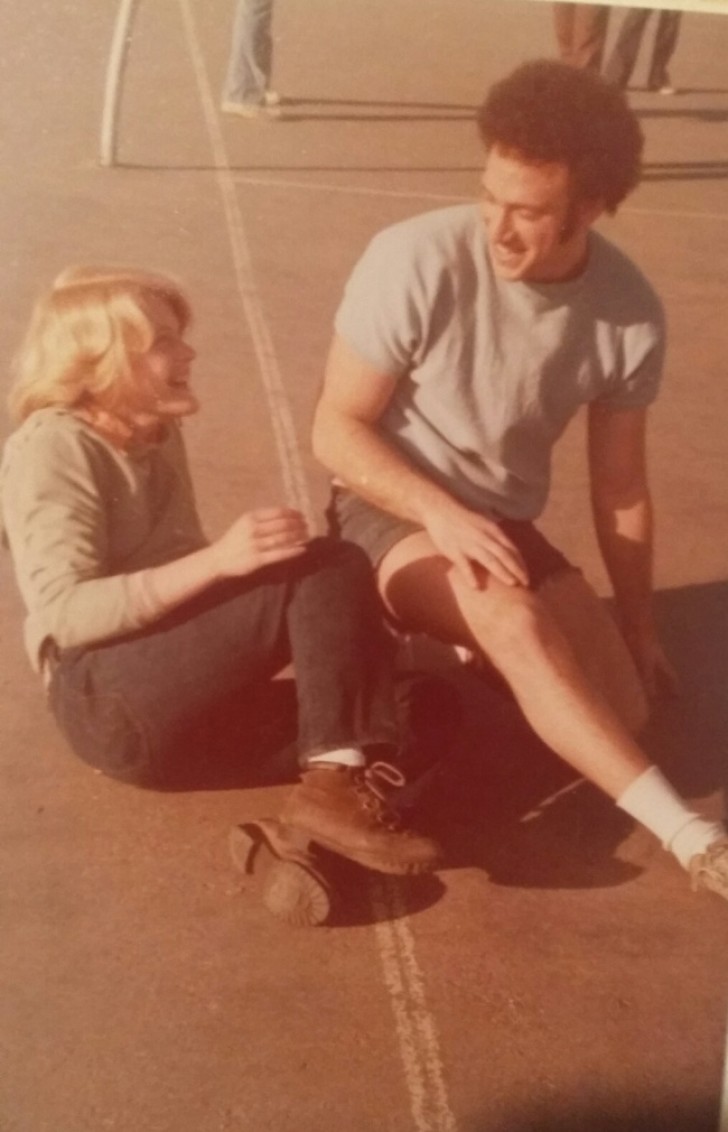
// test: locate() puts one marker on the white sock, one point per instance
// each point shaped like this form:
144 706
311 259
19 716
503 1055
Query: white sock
653 802
344 756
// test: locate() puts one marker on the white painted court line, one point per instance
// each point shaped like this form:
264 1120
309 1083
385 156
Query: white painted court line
723 1126
354 190
418 1042
281 417
416 1029
416 194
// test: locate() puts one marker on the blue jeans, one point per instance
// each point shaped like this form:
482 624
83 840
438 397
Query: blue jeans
125 705
251 53
626 49
581 32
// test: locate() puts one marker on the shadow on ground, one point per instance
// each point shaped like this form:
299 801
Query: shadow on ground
685 170
499 799
656 171
626 1113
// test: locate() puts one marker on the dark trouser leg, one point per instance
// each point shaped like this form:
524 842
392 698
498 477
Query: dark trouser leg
564 28
624 56
581 31
335 612
125 705
668 27
251 52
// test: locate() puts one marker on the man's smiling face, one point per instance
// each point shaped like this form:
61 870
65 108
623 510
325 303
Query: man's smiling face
537 232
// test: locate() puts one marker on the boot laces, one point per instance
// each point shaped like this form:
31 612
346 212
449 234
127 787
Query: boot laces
374 785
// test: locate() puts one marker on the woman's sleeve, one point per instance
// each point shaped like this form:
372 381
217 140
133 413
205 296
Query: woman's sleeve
55 521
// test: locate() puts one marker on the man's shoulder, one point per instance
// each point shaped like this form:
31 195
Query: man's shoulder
443 229
620 284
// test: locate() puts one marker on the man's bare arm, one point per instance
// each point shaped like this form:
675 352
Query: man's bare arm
347 441
623 518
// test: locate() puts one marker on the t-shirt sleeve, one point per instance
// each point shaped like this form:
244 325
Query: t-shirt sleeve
381 313
640 363
57 532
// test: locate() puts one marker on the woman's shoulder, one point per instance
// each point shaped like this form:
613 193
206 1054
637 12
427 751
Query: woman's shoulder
48 437
45 424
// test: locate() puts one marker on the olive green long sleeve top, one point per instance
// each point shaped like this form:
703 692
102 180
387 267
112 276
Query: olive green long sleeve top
85 520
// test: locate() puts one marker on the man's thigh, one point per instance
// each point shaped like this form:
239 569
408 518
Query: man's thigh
421 592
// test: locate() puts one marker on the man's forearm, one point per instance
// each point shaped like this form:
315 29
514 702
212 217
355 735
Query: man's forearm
367 463
625 536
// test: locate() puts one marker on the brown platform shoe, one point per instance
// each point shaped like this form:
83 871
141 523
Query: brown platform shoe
345 809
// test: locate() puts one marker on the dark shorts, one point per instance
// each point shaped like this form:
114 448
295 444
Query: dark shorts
376 532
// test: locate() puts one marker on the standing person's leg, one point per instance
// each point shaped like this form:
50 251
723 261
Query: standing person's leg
589 35
626 49
563 14
668 27
251 53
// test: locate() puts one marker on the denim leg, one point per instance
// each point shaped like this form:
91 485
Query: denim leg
126 705
342 655
626 49
581 31
668 26
251 52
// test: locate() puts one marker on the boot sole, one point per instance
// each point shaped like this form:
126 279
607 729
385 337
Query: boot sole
293 890
295 895
371 861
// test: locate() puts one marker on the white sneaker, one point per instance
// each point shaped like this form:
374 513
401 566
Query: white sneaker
665 87
252 110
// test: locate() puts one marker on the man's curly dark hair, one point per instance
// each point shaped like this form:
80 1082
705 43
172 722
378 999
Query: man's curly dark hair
550 111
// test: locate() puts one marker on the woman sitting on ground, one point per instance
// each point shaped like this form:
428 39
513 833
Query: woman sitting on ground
138 623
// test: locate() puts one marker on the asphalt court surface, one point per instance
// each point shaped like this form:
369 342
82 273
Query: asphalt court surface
558 974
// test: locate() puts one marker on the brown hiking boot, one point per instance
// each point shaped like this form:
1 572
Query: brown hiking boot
344 809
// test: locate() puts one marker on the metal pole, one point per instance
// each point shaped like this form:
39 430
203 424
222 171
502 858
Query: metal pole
114 74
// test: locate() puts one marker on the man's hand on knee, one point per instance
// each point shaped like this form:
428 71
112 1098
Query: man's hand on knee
474 543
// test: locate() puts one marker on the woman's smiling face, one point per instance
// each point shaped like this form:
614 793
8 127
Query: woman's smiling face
160 376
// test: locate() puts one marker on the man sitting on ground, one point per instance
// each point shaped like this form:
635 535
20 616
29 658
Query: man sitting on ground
467 339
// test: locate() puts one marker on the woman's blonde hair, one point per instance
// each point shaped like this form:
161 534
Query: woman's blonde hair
84 335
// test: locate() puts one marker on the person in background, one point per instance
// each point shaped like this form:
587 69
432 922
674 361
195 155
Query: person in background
246 91
138 624
581 33
466 340
622 60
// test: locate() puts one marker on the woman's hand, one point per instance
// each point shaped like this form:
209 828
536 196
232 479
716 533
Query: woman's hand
260 538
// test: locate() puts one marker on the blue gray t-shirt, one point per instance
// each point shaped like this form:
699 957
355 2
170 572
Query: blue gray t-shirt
490 371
